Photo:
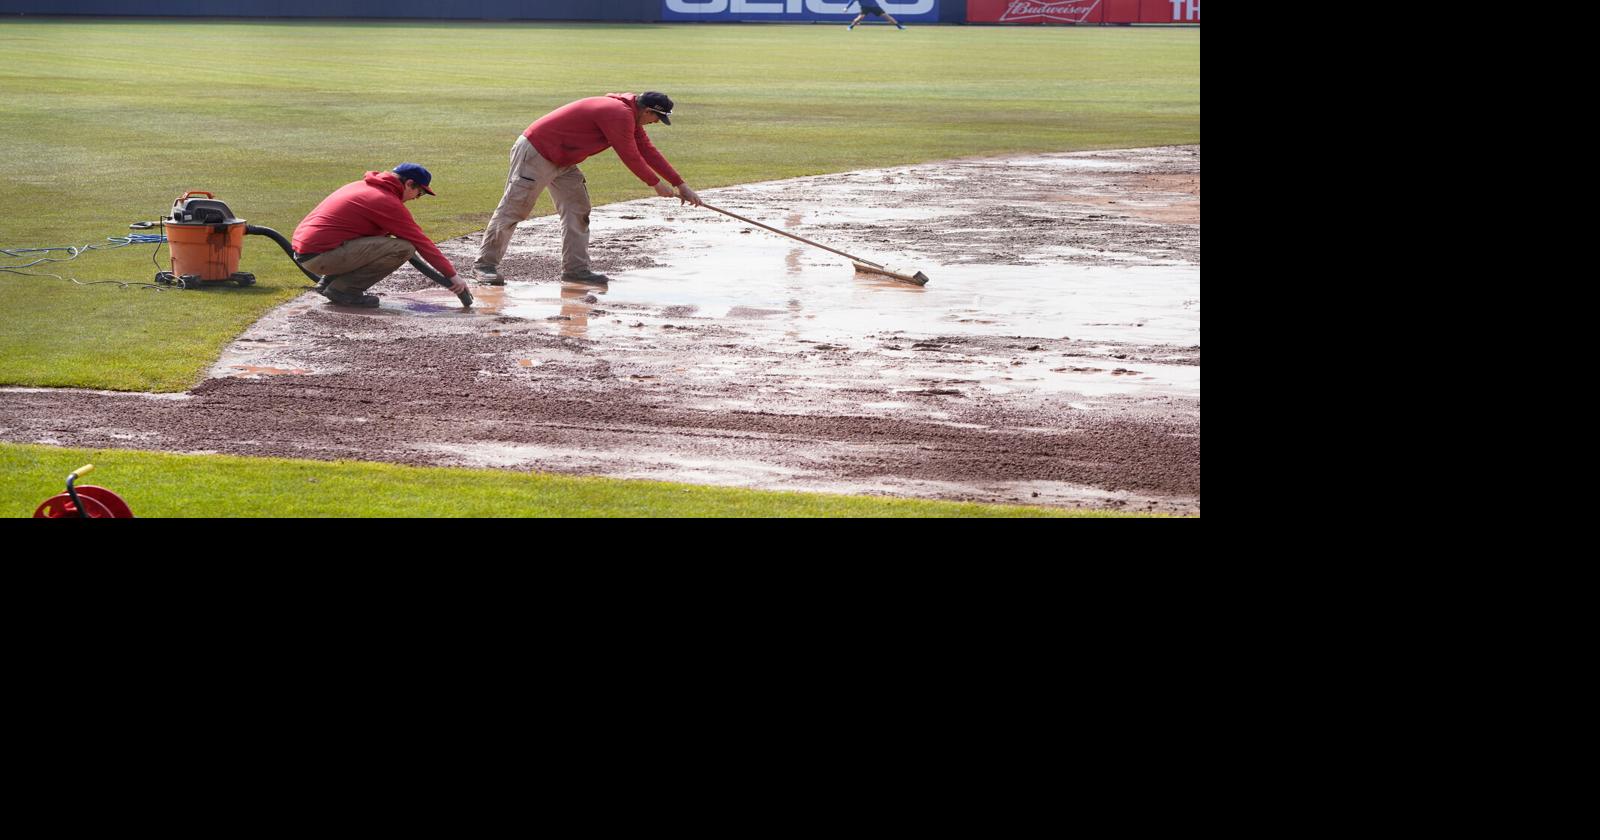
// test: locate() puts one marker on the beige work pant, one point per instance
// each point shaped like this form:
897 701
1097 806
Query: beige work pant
530 175
356 265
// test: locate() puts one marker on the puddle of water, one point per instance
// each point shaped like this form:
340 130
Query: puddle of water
821 298
837 328
718 471
425 306
435 301
138 395
720 270
568 305
256 370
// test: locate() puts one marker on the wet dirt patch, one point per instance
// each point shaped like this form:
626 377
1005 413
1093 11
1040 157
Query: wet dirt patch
1052 359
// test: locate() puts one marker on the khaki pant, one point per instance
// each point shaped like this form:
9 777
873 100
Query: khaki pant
530 175
356 265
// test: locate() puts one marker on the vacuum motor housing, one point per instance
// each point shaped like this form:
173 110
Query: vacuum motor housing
201 211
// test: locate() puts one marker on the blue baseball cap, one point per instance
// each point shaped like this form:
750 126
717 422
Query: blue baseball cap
415 172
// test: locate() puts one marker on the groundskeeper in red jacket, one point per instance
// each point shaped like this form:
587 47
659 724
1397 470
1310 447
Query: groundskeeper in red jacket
572 133
369 207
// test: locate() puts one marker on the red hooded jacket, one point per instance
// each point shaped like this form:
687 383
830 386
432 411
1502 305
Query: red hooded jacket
573 132
369 207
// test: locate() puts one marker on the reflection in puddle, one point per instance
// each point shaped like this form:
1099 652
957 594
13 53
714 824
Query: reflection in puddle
575 305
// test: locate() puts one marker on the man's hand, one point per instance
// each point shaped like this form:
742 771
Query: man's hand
688 196
458 285
662 189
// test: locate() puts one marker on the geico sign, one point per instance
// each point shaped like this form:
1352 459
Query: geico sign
778 7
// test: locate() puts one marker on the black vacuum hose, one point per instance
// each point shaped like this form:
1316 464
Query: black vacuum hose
429 272
257 230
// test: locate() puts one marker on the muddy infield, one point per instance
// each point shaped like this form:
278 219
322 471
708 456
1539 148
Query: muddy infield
1054 358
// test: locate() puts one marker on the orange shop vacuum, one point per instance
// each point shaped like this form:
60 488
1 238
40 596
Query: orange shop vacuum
205 241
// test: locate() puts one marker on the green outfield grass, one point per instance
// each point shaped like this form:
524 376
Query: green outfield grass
161 485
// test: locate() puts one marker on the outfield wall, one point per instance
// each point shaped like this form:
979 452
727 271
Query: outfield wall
919 11
461 9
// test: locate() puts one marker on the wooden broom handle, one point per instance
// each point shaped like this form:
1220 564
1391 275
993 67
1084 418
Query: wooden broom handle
790 235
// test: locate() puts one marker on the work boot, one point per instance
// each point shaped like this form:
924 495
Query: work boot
349 298
488 275
584 275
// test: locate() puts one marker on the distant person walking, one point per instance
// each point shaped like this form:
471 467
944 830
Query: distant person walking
363 232
547 155
869 7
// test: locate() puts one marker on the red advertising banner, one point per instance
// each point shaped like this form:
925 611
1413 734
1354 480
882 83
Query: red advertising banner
1083 11
1122 11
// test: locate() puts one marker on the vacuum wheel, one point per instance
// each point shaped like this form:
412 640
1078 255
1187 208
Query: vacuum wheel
189 281
243 279
165 278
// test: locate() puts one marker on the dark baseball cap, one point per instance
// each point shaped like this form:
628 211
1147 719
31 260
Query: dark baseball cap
415 172
658 102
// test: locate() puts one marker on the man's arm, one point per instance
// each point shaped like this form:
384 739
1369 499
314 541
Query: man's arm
398 222
620 133
658 162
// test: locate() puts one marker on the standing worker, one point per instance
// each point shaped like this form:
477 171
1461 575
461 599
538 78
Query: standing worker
548 154
870 7
363 232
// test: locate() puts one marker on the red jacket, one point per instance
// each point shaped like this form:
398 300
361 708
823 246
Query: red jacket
573 132
369 207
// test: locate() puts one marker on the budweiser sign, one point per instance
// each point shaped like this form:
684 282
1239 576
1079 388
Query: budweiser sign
1034 10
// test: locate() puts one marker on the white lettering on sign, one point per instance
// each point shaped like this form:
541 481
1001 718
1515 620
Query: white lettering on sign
893 7
756 7
1066 12
690 7
1185 9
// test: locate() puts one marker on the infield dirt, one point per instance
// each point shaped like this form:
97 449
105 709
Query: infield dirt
1053 358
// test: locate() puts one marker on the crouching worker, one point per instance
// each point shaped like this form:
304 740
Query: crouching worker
363 233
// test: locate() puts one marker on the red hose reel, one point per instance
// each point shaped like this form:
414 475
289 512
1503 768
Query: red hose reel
86 502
